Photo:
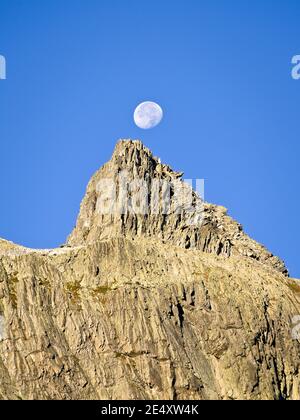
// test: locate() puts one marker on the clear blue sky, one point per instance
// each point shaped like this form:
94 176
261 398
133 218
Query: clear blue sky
221 70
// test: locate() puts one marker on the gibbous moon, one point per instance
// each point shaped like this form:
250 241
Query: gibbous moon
148 115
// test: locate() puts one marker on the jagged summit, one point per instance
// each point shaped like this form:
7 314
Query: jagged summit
214 231
133 309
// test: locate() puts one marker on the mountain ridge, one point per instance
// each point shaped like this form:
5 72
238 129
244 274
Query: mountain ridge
129 309
219 232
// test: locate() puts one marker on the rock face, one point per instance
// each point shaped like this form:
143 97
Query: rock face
217 233
147 306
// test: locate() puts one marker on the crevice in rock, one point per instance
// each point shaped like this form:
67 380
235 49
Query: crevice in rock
180 315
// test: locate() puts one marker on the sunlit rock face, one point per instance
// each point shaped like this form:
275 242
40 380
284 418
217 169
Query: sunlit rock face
139 307
214 232
2 332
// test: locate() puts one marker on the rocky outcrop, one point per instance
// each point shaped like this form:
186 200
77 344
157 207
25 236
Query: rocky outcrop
215 232
130 308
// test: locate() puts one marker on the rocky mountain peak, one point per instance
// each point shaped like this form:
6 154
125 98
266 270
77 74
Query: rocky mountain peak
148 302
136 195
133 156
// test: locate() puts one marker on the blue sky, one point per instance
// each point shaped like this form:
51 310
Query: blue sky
221 70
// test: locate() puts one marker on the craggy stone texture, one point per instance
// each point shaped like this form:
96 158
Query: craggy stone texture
218 233
125 311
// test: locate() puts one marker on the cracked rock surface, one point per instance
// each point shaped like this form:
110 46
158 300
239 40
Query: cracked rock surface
137 307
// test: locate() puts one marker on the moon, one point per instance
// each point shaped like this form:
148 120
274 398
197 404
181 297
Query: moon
148 115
